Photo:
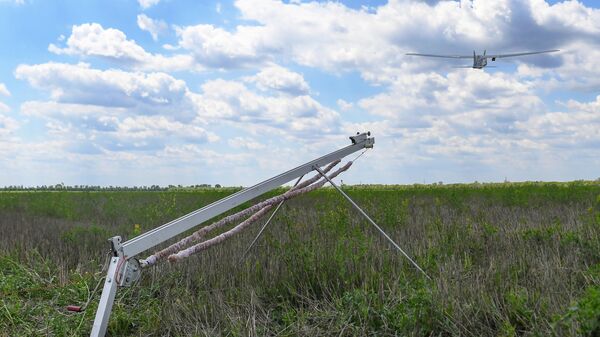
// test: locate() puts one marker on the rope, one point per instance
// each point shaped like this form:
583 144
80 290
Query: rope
199 234
261 210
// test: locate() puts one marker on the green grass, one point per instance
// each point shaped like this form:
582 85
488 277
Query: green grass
512 259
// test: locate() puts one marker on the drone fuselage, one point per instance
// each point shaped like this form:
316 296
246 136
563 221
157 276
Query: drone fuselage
479 61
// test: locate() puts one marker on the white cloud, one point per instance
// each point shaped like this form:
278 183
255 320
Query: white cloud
245 143
570 15
289 116
91 39
336 38
151 93
195 154
333 37
15 2
579 69
430 121
154 27
141 127
3 90
167 46
476 124
70 111
344 106
472 101
80 93
96 129
145 4
280 79
217 48
7 125
576 129
310 34
589 107
95 111
463 119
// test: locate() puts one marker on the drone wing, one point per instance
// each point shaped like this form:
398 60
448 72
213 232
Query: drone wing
443 56
520 54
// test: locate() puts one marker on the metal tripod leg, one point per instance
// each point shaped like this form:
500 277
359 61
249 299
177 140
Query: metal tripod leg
107 299
266 224
371 221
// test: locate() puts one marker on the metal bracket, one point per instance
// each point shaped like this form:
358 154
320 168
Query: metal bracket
115 246
128 271
363 137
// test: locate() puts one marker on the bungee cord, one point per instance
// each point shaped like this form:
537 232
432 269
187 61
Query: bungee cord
261 210
199 234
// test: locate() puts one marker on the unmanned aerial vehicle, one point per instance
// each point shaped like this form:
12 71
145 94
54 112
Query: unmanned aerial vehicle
480 61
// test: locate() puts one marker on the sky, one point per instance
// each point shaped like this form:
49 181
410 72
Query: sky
176 92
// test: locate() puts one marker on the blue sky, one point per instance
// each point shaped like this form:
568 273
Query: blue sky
189 92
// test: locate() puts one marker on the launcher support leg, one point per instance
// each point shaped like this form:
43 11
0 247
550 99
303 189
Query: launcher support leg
318 169
122 272
266 224
107 299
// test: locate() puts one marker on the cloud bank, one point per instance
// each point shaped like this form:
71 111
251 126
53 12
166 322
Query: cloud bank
250 90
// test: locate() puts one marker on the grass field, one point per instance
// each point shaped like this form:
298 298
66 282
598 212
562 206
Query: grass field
512 259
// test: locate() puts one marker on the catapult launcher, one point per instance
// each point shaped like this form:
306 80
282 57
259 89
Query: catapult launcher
124 268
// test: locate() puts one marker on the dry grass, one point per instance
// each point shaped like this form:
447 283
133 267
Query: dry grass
506 259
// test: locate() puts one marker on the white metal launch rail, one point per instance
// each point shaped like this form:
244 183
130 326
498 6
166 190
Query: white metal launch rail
124 268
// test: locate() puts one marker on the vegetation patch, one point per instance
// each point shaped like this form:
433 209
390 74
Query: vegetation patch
509 259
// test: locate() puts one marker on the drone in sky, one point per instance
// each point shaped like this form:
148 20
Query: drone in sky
480 61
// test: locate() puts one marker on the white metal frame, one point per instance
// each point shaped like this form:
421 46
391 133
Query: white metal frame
124 268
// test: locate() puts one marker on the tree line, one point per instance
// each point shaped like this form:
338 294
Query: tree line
63 187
